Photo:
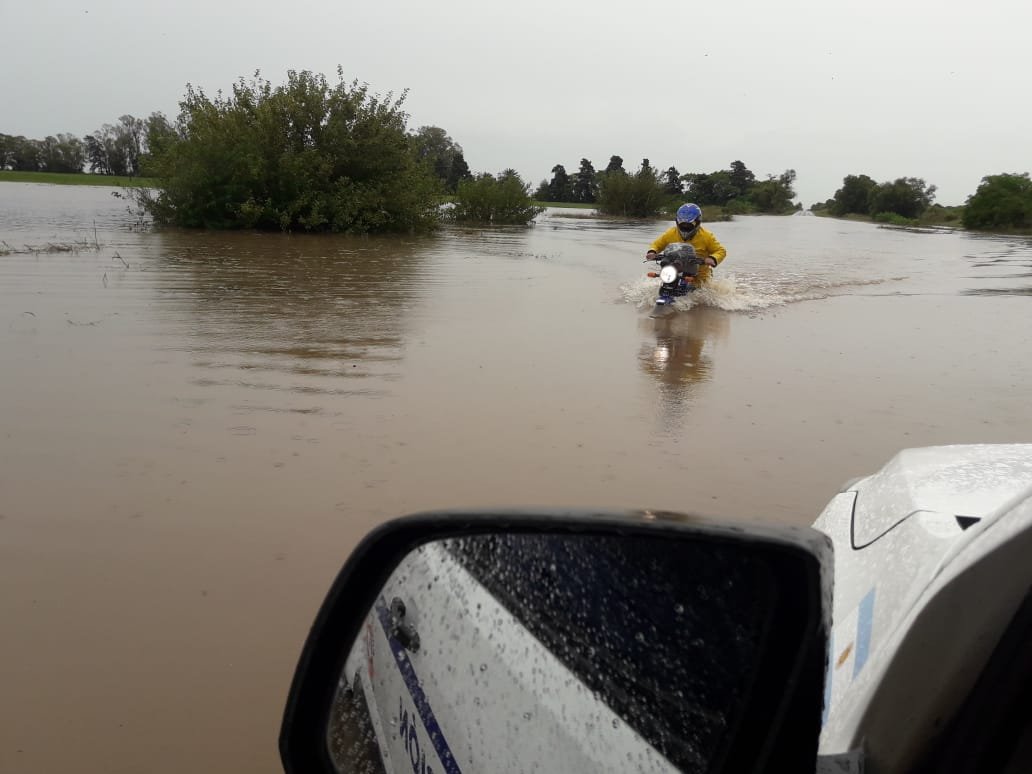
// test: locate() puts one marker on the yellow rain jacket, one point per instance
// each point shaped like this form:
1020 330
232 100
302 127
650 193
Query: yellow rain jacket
705 244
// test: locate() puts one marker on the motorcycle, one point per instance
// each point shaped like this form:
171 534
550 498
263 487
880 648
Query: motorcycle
678 275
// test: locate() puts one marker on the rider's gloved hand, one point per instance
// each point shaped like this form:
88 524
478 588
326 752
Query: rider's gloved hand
710 261
650 255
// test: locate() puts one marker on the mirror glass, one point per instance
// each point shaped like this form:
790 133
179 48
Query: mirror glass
554 652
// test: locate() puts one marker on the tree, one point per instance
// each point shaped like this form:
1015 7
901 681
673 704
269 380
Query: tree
19 153
774 195
158 135
905 196
672 182
303 156
639 195
116 149
854 195
459 171
497 200
585 183
434 146
712 188
1001 201
64 153
722 186
615 165
559 189
741 178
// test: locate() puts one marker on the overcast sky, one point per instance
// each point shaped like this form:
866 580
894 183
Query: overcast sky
937 90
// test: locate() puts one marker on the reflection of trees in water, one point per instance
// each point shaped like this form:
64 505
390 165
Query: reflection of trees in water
307 305
678 358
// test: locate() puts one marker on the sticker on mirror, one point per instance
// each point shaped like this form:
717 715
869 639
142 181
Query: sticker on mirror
410 740
407 721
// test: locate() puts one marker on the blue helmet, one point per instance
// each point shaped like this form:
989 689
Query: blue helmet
689 218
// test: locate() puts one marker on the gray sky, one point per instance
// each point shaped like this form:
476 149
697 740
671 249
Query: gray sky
890 89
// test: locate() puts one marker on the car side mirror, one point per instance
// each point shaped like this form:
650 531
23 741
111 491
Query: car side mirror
511 642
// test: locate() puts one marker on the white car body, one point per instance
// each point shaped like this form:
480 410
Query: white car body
931 563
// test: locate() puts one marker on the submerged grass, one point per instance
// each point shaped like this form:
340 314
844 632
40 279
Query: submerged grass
78 246
570 205
711 213
72 178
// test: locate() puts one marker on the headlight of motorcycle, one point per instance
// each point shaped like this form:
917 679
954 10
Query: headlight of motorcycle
667 274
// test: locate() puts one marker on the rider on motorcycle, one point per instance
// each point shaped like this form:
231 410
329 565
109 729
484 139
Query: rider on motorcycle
688 228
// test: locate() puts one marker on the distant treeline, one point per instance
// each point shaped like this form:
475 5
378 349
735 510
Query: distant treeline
114 149
1001 202
648 190
309 155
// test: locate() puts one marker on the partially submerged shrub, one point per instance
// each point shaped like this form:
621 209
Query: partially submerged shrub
305 156
500 200
1001 201
893 219
640 195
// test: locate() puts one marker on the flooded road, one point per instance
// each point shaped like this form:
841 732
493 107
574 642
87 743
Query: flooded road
195 428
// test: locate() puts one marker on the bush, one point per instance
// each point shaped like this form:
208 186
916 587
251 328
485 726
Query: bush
304 156
640 195
854 196
906 196
739 207
893 219
501 200
1001 201
774 195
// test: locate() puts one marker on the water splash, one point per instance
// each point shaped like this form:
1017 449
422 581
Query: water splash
746 292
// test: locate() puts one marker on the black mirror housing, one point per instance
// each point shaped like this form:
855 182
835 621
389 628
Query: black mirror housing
775 718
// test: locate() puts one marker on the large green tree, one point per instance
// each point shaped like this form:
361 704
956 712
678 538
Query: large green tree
115 149
458 172
720 187
585 183
615 165
63 153
304 156
742 179
905 196
672 182
19 153
711 188
774 195
442 153
1001 201
854 195
560 188
639 195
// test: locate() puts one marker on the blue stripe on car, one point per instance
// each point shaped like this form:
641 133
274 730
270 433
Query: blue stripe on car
863 632
408 674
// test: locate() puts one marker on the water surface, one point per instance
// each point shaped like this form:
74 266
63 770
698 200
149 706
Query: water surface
196 428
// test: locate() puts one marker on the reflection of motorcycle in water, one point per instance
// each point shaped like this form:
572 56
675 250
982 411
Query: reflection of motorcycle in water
678 272
679 358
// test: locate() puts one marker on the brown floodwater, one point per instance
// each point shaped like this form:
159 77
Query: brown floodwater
195 429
